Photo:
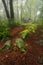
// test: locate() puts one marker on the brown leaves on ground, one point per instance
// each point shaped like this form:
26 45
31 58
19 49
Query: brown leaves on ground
33 50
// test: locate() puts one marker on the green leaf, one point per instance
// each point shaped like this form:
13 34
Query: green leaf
20 44
7 44
24 33
22 50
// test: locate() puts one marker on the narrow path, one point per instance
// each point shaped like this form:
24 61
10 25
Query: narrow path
30 57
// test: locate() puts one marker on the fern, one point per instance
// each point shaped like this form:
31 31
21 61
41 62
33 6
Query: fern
28 30
24 33
20 44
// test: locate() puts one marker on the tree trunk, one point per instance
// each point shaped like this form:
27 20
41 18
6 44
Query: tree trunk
11 15
6 10
11 9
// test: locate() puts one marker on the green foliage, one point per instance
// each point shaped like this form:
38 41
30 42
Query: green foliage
20 44
24 33
4 29
40 23
7 45
13 23
4 32
28 30
32 27
19 23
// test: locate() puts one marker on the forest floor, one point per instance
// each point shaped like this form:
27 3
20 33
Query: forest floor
33 54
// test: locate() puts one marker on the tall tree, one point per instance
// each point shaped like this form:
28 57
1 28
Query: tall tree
11 9
11 15
6 10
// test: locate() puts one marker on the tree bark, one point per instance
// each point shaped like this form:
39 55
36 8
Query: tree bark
6 10
11 9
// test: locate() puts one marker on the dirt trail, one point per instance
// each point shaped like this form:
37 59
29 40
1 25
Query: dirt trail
33 51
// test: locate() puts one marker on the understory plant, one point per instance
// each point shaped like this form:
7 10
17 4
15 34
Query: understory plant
28 30
4 30
7 45
20 44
